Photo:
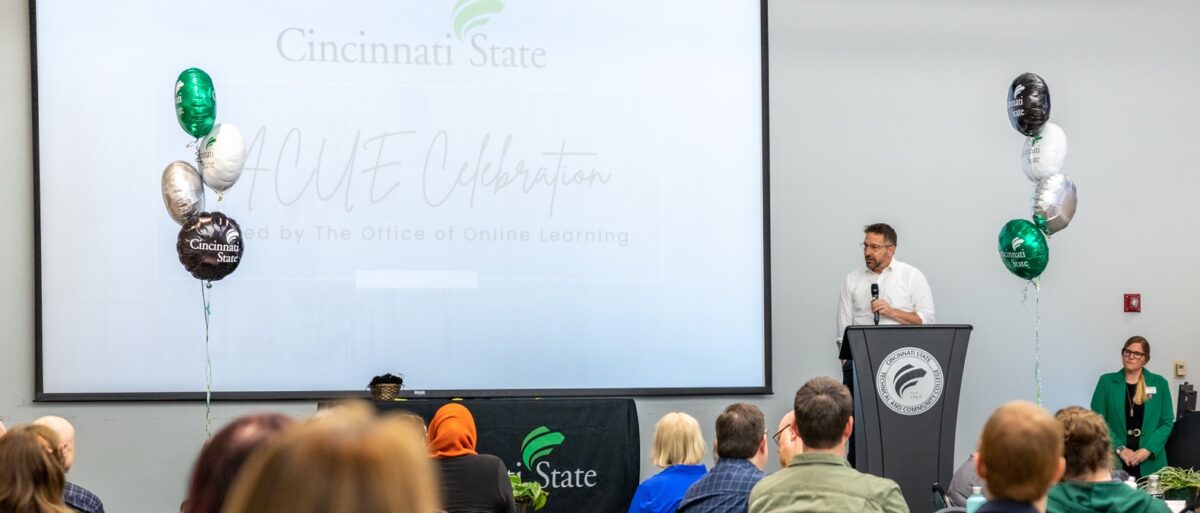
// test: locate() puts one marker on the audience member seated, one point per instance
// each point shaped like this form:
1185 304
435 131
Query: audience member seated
786 442
960 484
470 482
77 497
31 476
819 479
1087 486
1019 458
224 455
741 449
678 448
346 462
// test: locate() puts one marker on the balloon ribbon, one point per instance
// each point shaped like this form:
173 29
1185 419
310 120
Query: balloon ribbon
1037 339
206 296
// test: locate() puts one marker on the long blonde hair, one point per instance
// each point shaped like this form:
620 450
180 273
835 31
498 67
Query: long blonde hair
31 473
1139 395
345 462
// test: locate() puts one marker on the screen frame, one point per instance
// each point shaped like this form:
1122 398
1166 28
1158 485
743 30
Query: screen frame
40 395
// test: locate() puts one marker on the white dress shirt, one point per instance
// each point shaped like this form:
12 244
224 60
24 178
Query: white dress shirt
901 285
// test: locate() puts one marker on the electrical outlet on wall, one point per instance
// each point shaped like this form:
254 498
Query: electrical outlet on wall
1180 369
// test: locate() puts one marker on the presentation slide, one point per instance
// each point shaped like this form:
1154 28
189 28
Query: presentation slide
481 195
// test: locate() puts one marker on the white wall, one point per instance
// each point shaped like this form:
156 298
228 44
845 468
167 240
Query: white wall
880 110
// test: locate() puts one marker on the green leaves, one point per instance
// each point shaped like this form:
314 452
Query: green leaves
530 492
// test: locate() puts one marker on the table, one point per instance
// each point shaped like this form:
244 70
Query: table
585 452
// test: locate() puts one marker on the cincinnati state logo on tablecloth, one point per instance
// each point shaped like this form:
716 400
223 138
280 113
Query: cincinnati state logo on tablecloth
909 381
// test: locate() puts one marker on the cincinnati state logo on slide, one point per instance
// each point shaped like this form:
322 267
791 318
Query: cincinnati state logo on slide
909 381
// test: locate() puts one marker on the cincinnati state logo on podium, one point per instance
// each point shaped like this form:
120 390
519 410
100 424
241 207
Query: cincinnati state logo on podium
909 381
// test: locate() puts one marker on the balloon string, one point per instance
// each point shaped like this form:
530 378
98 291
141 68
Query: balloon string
206 296
1037 339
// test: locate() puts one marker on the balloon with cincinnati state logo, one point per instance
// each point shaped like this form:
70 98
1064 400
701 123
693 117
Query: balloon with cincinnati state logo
1023 249
210 246
1028 104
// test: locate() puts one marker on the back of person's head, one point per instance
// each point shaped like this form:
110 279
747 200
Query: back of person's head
66 438
677 441
822 407
1086 444
740 430
1020 452
452 432
346 462
224 455
31 476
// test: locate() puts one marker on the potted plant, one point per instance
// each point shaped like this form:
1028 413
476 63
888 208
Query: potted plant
529 495
1179 483
386 387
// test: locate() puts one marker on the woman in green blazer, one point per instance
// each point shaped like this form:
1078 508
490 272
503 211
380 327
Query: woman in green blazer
1136 405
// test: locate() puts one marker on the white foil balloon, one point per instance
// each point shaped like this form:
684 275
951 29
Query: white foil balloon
222 155
182 191
1045 153
1054 203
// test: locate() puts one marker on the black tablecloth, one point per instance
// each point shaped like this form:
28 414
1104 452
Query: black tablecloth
585 452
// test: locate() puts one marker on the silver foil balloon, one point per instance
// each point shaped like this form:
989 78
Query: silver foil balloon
1053 203
182 191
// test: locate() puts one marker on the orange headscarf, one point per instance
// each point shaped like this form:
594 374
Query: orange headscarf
452 432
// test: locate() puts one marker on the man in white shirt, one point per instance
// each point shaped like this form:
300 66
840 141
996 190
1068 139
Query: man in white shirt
904 295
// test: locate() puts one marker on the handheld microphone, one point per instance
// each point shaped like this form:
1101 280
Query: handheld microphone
874 296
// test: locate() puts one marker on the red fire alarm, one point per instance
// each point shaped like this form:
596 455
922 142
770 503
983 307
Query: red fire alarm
1133 303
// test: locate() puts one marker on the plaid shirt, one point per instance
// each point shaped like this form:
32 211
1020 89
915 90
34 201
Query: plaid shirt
81 500
726 488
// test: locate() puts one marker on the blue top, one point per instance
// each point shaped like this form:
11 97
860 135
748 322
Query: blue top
662 492
725 489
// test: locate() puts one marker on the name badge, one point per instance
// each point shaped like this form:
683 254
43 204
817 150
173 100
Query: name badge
1151 390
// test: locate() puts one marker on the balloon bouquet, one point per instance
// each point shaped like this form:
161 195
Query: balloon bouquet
209 244
1022 242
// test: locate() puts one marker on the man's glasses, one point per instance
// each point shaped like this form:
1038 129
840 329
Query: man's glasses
875 247
780 433
1132 355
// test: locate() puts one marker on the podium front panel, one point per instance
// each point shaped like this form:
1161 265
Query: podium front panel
906 384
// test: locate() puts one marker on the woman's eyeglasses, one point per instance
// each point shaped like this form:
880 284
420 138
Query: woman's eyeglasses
1132 355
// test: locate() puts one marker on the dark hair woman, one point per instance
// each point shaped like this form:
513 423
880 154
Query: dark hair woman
223 456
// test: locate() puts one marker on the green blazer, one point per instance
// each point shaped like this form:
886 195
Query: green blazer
1109 401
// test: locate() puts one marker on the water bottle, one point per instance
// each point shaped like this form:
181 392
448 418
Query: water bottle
1153 488
976 500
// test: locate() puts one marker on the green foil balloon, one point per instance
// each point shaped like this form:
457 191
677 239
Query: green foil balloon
1023 249
195 102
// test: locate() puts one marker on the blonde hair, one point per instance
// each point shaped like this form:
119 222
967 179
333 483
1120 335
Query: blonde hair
1020 449
346 462
677 440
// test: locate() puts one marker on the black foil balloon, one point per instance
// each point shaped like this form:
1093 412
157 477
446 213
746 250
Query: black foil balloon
210 246
1028 103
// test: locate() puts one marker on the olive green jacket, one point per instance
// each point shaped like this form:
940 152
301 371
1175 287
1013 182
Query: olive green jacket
820 483
1109 401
